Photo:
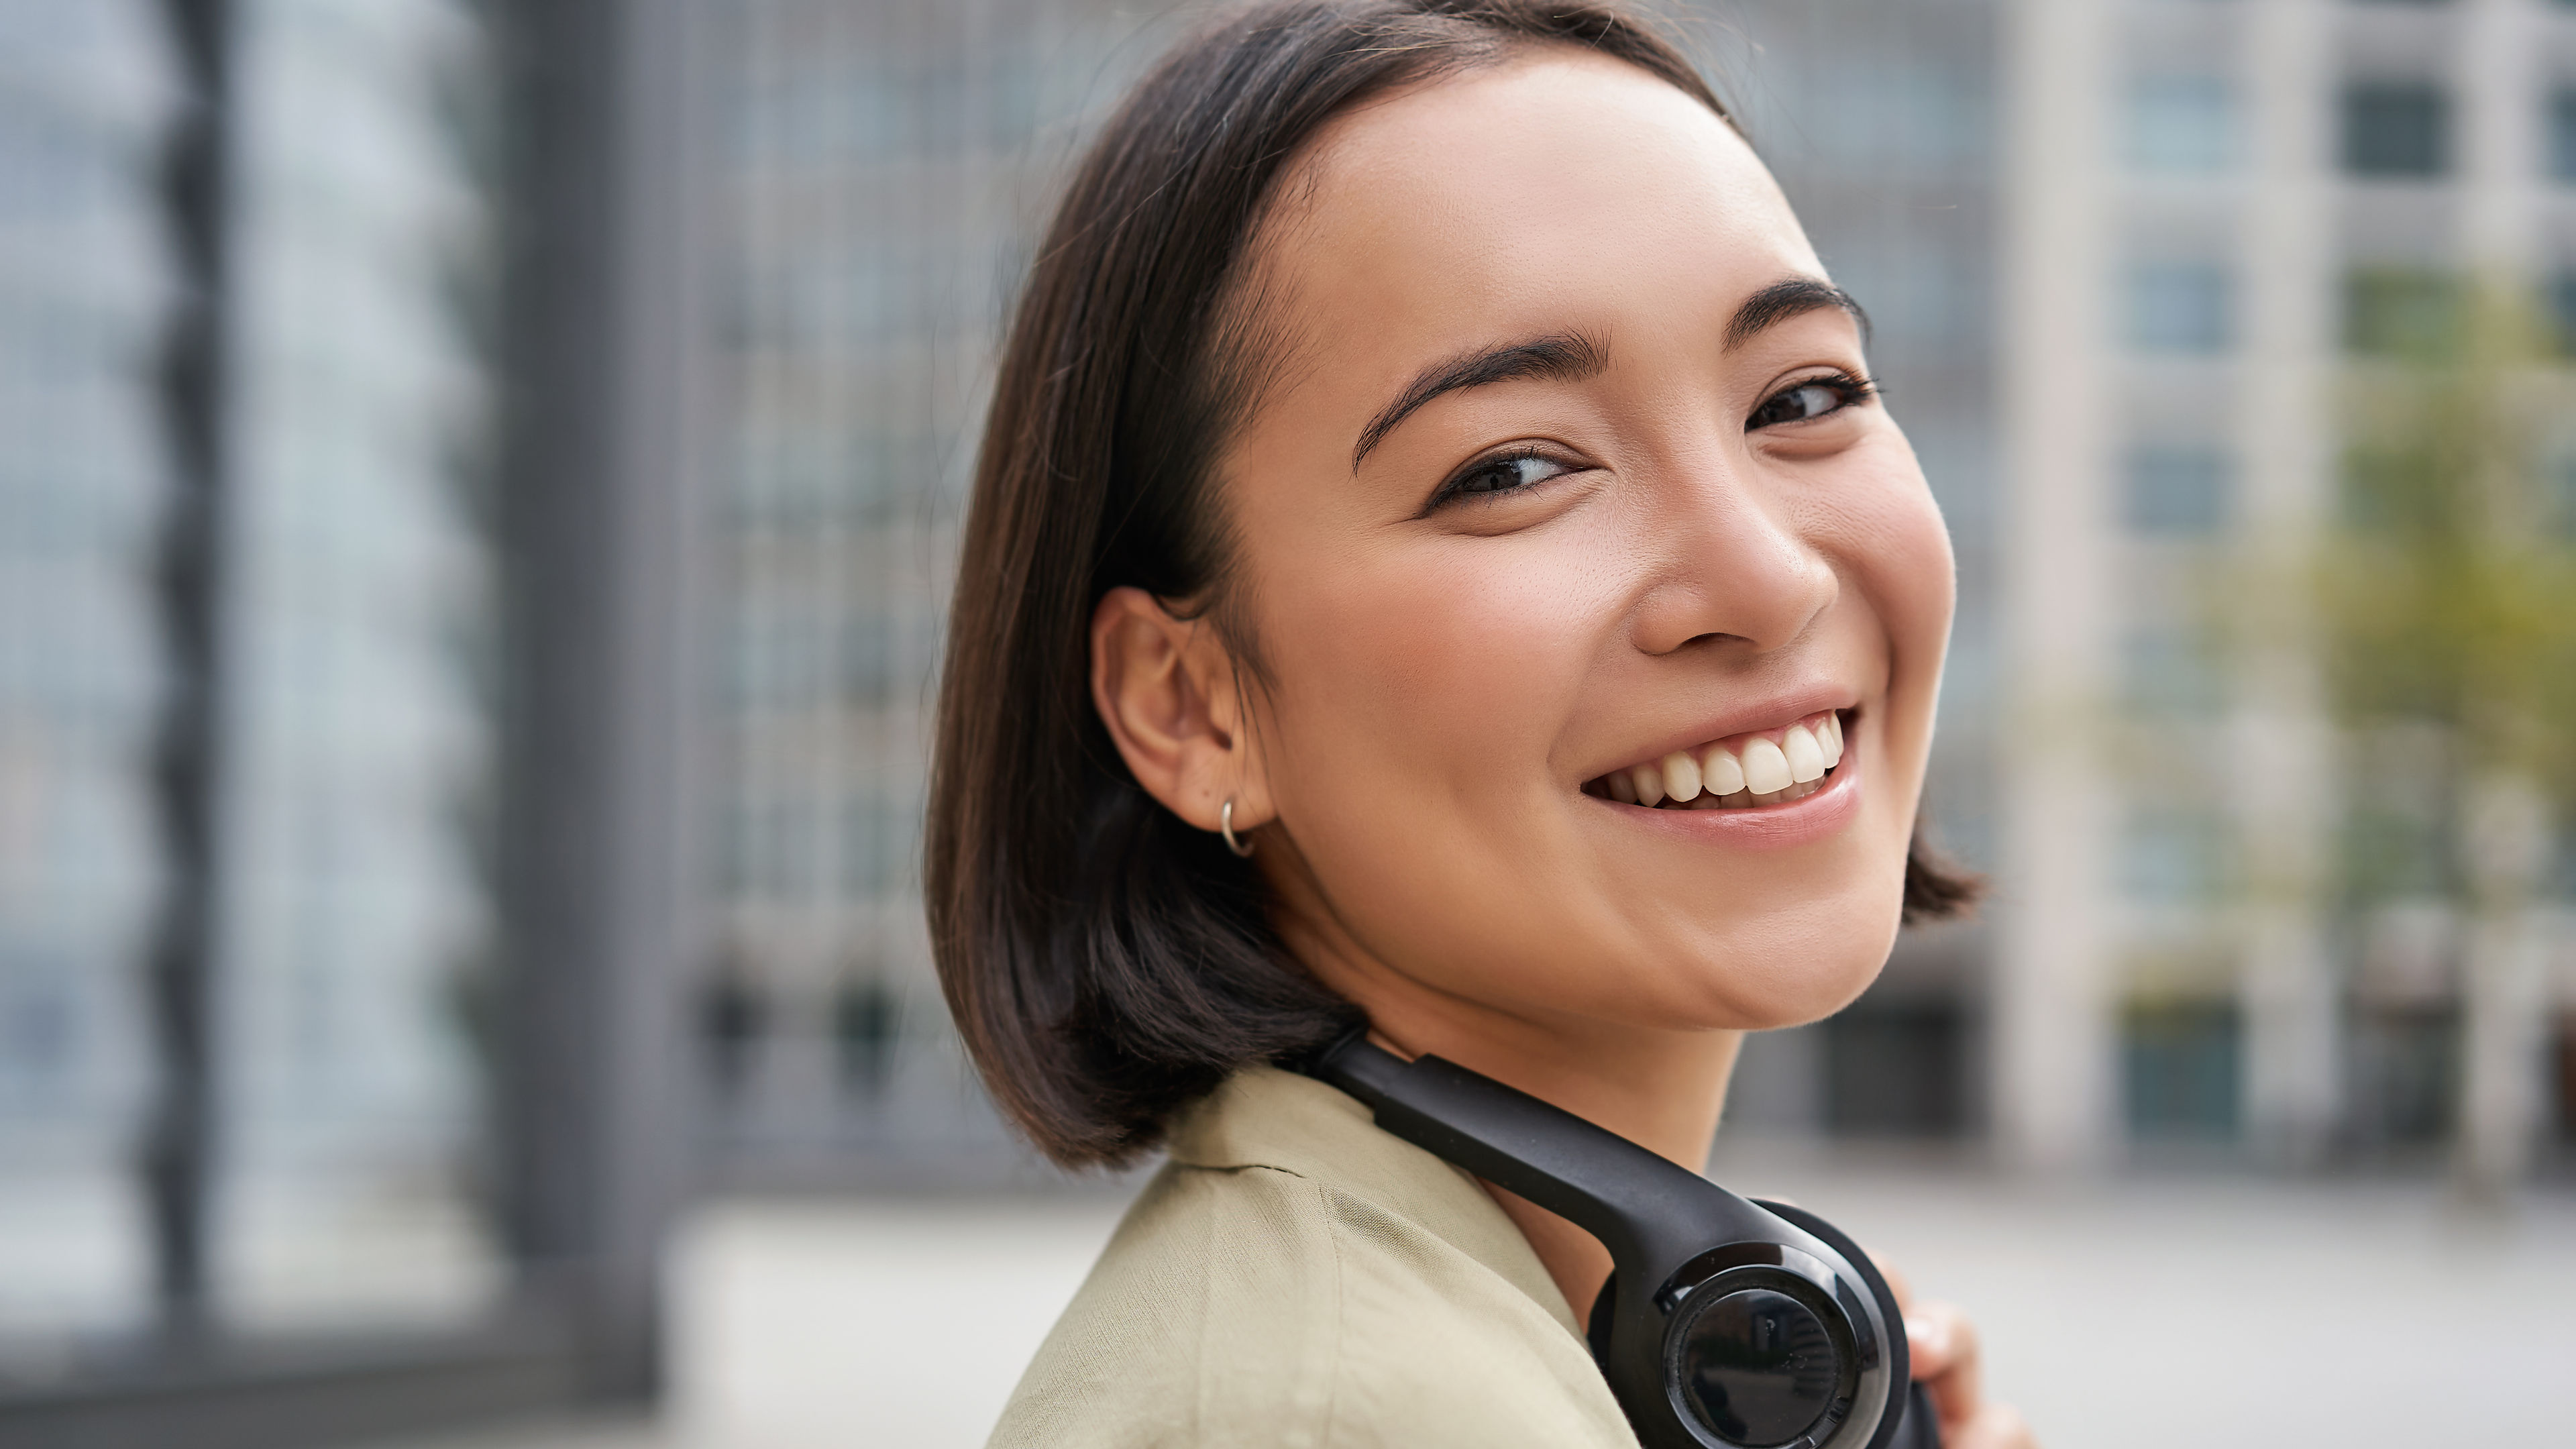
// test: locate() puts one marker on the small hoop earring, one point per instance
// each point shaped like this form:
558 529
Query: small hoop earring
1225 827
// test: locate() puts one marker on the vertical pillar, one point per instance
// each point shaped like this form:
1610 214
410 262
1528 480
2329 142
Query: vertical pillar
2499 91
601 519
2498 100
2053 1100
2505 1032
177 1150
2285 782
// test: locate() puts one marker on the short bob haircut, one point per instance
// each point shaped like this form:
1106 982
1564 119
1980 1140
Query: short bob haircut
1106 963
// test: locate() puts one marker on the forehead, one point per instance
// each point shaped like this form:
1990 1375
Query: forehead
1558 189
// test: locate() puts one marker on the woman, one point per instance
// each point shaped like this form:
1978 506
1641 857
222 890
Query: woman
1437 561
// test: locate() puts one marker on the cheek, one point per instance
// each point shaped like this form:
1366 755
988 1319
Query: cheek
1426 671
1886 535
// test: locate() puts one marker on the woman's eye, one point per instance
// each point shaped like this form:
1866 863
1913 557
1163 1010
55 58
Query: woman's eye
1503 475
1802 401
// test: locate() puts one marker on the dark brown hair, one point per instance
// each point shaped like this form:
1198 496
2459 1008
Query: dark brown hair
1105 961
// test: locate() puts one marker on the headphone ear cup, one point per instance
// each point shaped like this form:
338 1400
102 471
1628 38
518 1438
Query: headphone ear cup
1908 1422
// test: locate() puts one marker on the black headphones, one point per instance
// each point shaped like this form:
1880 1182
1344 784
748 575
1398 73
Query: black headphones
1726 1324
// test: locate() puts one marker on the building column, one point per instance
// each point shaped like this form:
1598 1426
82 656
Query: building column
2285 743
2505 980
2499 82
2053 1101
2499 79
600 518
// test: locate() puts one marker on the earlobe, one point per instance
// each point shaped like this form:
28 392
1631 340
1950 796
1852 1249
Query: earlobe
1164 687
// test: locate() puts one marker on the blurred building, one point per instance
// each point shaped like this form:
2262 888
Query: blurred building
886 168
352 602
85 97
2221 216
328 952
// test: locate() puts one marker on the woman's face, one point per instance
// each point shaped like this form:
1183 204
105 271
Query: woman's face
1570 468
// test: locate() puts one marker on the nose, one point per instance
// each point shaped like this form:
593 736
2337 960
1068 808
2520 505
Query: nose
1730 564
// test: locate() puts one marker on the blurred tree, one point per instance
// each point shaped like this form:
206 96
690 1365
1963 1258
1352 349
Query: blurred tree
2446 596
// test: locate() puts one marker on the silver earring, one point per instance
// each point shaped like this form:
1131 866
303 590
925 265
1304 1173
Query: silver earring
1225 827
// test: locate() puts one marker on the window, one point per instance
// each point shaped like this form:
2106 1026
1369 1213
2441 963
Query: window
2171 855
2399 311
2562 134
2396 129
2168 670
2180 1068
2176 490
2181 124
2179 307
2404 1068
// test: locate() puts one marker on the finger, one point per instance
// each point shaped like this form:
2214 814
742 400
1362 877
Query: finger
1996 1426
1947 1360
1896 1283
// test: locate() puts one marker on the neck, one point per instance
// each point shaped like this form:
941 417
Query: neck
1661 1089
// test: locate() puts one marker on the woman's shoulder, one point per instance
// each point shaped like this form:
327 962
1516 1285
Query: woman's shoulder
1290 1302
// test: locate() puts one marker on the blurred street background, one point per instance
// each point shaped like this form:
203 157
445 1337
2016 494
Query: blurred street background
477 487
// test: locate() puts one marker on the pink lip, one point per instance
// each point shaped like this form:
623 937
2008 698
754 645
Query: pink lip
1762 827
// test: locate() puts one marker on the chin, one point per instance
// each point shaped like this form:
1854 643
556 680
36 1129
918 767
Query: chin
1794 966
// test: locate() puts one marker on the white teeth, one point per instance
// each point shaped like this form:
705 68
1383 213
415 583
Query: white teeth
1766 770
1806 758
1681 776
1720 773
1715 777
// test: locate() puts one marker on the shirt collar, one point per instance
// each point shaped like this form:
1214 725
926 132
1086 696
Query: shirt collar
1264 1117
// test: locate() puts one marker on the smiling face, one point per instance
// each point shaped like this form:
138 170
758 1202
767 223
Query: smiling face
1569 467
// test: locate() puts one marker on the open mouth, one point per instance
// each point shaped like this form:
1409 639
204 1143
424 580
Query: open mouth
1740 772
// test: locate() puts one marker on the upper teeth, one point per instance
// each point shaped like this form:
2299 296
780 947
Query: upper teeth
1753 770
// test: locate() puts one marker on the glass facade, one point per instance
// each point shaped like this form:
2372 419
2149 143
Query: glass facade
86 93
353 610
885 170
267 1028
358 619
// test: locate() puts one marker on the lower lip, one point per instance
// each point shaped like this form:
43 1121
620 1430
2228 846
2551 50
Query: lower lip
1763 827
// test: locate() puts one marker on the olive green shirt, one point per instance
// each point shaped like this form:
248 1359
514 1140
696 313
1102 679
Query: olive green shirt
1294 1276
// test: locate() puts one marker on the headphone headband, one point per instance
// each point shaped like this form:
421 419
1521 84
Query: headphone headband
1726 1324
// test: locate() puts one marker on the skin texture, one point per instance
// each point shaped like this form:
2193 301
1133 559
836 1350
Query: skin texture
1438 680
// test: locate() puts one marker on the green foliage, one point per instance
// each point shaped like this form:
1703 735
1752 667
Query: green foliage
2447 588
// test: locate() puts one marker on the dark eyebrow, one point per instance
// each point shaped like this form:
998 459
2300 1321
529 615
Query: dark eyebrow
1565 357
1789 298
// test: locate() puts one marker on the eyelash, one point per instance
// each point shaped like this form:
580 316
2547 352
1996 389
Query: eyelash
1456 488
1849 389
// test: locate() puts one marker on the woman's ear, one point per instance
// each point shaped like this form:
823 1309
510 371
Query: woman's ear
1166 688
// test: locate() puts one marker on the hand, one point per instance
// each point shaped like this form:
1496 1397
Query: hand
1947 1362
